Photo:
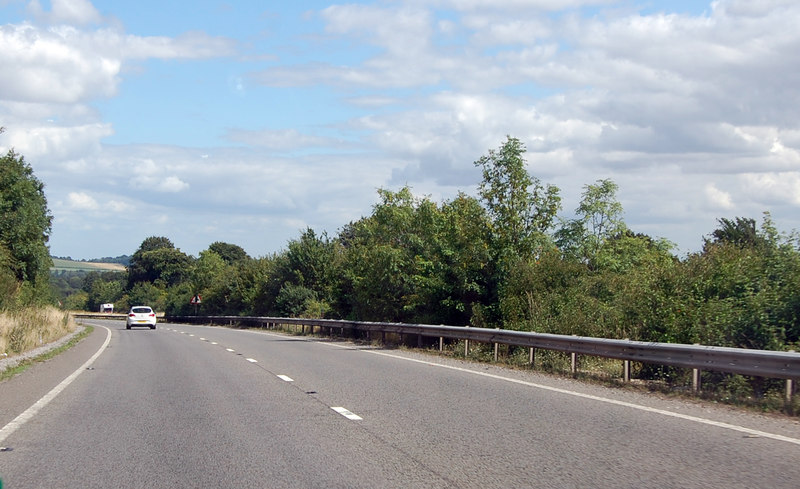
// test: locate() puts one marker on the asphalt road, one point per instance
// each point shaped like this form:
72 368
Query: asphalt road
191 406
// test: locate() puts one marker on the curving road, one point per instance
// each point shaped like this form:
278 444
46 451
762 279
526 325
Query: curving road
192 406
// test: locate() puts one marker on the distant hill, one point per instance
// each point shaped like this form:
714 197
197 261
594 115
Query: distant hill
122 259
62 264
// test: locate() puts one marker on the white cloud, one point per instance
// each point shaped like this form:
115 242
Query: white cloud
63 64
190 45
61 143
717 198
52 66
78 12
171 184
119 207
773 188
694 116
82 202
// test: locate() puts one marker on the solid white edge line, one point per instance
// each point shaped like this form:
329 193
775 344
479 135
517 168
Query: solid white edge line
45 400
347 414
606 400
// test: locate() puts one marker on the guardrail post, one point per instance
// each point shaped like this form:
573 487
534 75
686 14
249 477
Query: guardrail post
696 378
466 346
532 356
441 344
626 368
789 391
574 361
496 349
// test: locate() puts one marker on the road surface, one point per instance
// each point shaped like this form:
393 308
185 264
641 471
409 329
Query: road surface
193 406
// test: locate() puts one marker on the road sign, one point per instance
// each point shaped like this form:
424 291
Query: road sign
196 299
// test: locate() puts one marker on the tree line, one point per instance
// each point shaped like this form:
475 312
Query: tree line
502 258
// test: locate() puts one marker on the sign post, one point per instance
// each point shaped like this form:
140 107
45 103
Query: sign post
196 301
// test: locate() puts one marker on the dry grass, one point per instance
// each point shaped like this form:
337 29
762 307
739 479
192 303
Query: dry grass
27 329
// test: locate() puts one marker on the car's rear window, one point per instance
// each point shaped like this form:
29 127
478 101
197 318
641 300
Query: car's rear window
141 310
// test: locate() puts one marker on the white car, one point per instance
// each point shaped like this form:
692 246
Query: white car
141 316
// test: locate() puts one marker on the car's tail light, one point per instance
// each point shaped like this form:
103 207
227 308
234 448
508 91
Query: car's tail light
152 314
131 315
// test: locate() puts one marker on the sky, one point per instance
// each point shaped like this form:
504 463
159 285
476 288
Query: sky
247 122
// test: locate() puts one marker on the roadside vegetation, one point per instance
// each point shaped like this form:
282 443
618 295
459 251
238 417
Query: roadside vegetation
28 328
24 364
27 316
504 257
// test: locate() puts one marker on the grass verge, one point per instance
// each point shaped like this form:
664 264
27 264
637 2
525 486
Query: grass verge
27 363
28 328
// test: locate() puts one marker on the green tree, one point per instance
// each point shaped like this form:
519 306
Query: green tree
206 270
157 260
599 218
740 231
522 210
103 288
309 261
466 261
293 300
146 293
254 285
205 278
230 253
25 221
77 301
628 250
391 269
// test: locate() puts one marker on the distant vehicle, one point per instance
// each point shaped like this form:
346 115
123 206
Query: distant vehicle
109 308
141 316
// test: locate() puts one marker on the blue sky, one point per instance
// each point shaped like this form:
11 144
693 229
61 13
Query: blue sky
247 122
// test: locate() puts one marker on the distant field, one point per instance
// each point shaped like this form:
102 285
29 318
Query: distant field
76 266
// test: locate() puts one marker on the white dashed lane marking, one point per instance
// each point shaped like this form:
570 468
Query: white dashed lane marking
342 411
347 414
